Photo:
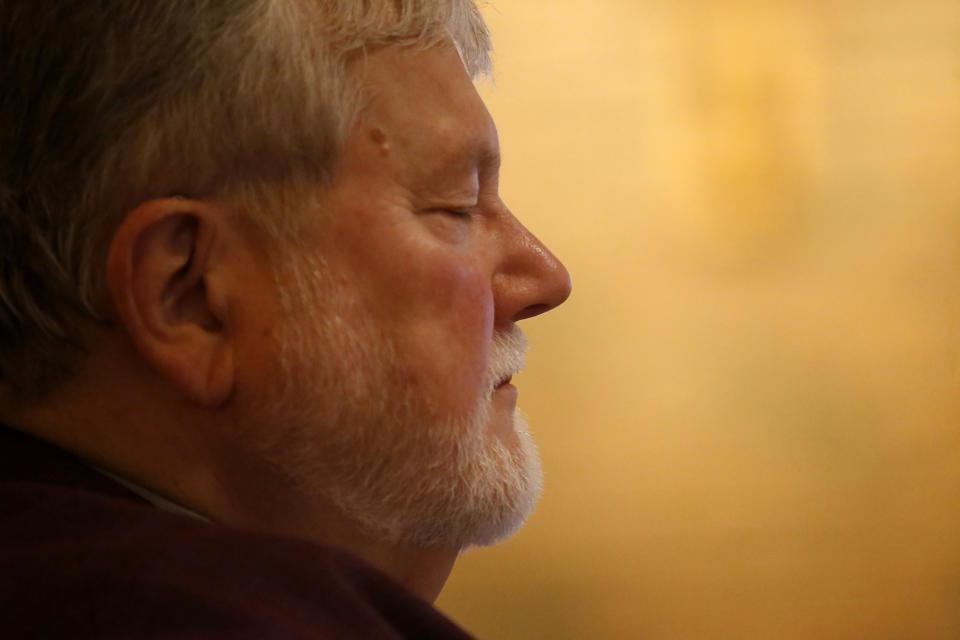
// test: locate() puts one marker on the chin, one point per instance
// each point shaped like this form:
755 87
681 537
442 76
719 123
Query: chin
494 492
473 490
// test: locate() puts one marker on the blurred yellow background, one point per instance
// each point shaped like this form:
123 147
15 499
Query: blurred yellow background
749 410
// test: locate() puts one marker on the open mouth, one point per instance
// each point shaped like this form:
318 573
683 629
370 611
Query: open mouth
503 381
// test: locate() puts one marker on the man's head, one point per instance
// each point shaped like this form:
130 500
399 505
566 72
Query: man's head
108 104
308 280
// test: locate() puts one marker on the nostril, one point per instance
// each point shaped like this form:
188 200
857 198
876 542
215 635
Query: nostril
533 310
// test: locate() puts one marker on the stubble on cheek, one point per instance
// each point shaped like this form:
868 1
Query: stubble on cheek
364 419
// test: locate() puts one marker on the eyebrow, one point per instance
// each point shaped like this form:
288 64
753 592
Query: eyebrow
476 153
473 155
488 158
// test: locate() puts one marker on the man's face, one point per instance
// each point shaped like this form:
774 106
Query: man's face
398 340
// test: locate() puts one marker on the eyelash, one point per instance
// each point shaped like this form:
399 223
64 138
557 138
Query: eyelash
462 214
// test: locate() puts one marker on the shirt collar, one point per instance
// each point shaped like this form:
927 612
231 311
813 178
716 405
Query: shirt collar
153 498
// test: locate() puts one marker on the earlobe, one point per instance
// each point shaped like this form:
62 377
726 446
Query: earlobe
160 277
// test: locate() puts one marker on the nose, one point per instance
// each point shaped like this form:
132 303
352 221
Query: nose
530 279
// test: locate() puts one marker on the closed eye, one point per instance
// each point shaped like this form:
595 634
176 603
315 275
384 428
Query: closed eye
461 214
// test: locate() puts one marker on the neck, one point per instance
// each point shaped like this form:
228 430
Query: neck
289 512
422 571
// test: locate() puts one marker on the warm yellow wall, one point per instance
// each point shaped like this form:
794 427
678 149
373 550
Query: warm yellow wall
749 410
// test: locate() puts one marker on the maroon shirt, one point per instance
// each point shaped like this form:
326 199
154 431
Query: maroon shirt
83 557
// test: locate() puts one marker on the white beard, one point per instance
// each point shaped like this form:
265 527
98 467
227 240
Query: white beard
351 432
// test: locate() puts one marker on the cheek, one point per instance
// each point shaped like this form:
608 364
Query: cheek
470 306
469 327
466 296
447 337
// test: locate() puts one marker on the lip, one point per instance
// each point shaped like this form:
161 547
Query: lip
504 397
504 382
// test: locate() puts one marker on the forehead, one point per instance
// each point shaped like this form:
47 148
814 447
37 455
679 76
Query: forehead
423 104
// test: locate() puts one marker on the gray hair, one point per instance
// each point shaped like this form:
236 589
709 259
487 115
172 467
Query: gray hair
105 104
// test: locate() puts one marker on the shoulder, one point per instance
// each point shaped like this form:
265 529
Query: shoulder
76 563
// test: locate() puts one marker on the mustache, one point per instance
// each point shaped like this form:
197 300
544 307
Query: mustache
508 352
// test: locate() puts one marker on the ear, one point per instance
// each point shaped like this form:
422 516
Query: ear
160 274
